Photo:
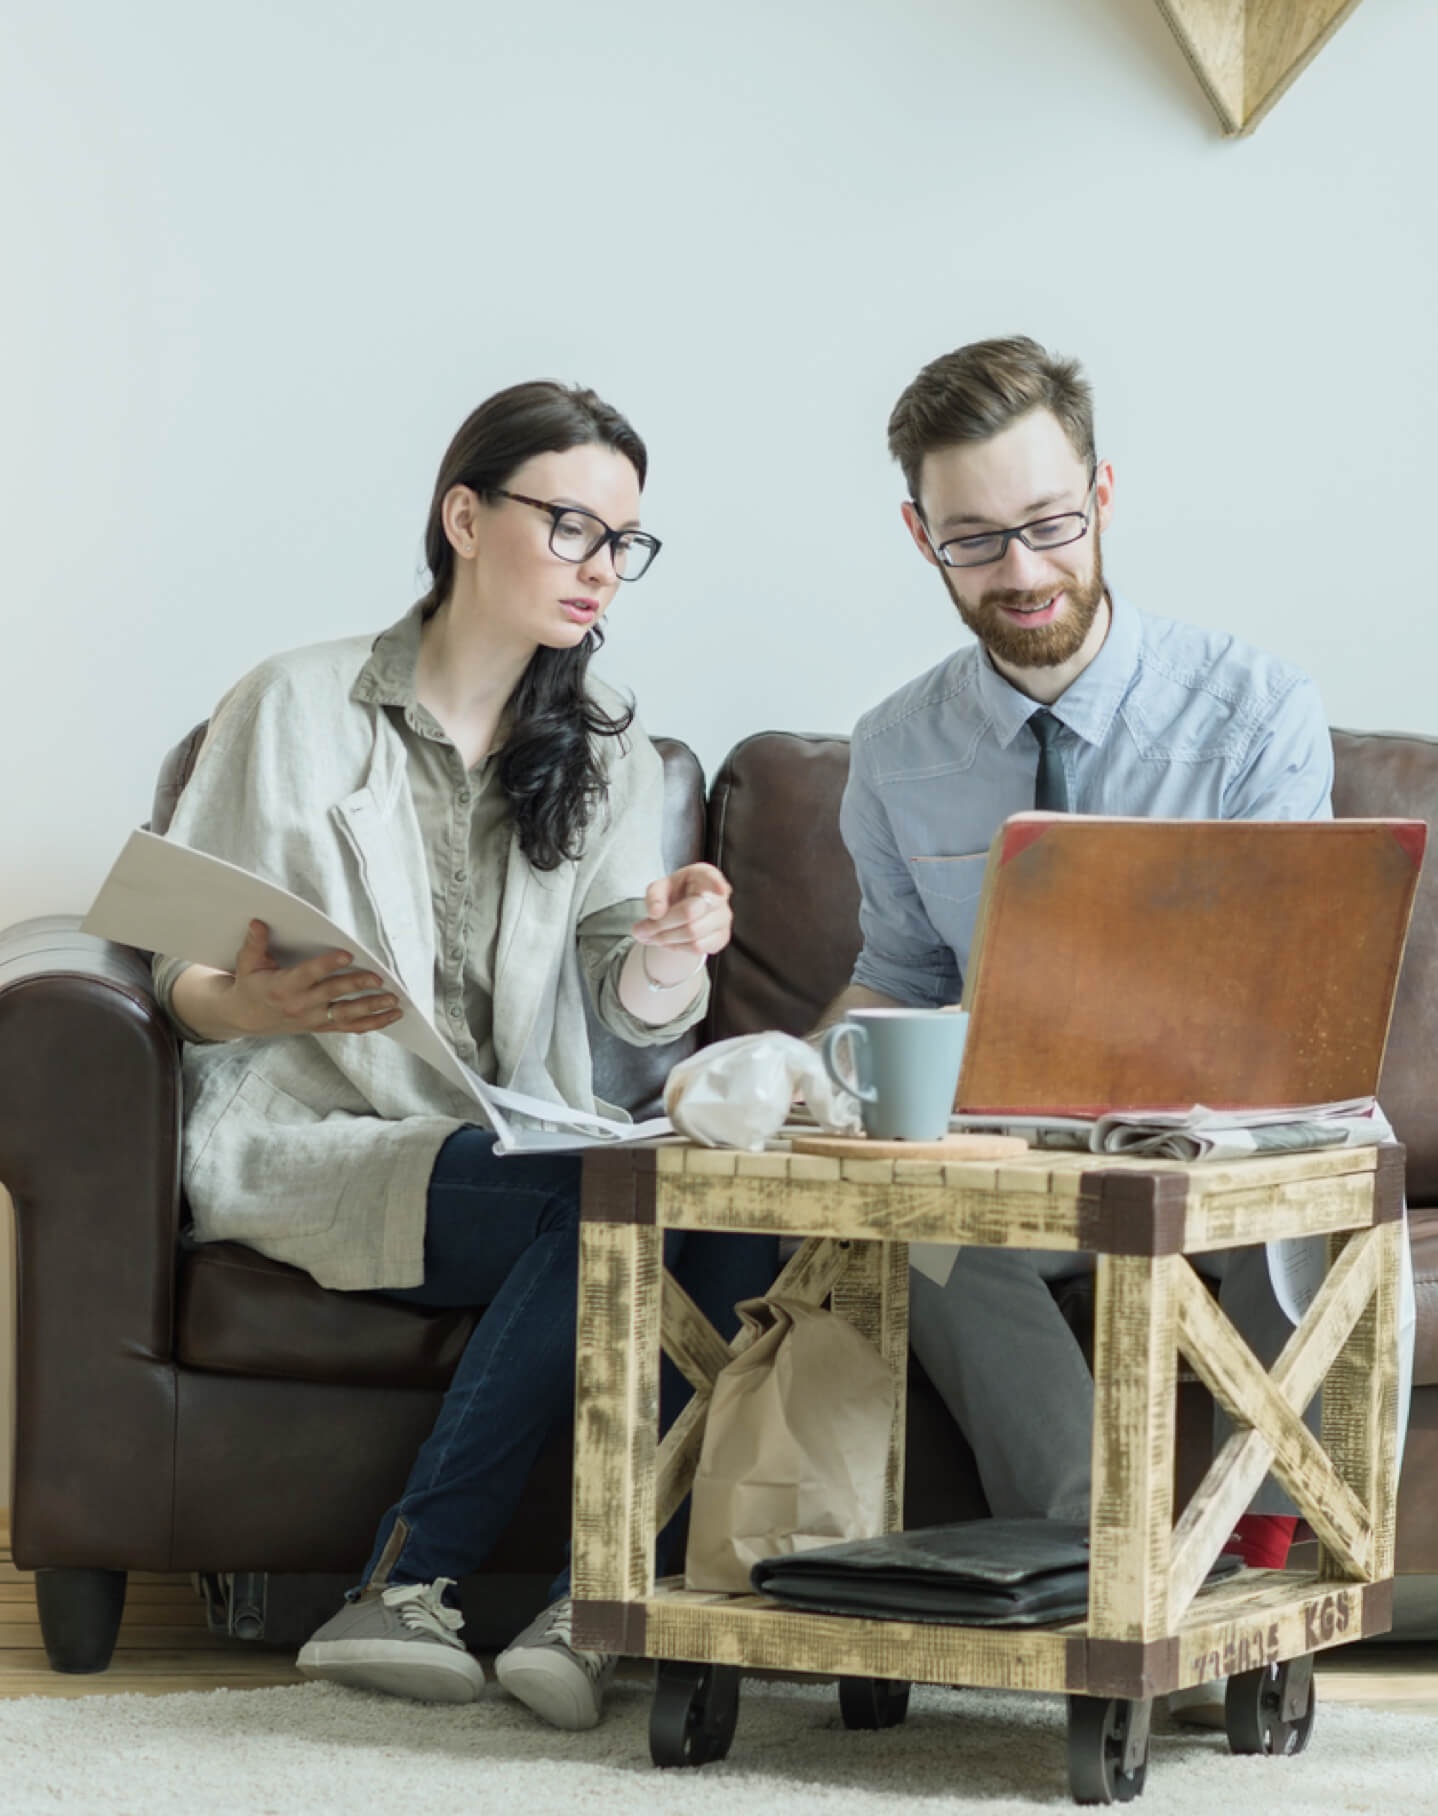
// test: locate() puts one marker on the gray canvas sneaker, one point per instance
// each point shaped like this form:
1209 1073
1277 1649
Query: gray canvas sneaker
402 1641
549 1674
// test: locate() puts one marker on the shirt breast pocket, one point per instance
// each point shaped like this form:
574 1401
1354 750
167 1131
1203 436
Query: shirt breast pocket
949 888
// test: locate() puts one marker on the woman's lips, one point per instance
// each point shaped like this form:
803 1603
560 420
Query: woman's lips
579 611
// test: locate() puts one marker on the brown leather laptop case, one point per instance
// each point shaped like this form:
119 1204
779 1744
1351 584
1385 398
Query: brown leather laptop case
1156 964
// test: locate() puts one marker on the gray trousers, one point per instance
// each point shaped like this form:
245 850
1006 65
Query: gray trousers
996 1346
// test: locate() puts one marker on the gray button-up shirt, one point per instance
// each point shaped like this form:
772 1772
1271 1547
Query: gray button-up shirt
1167 722
467 827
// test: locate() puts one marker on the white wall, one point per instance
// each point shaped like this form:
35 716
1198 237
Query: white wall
259 262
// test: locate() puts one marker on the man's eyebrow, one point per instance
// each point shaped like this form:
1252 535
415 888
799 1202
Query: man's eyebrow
1034 508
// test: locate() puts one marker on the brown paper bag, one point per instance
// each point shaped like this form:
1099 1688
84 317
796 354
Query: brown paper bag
795 1447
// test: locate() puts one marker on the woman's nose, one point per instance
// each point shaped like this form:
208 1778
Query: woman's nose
598 569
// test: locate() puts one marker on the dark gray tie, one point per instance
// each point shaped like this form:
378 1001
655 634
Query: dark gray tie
1051 789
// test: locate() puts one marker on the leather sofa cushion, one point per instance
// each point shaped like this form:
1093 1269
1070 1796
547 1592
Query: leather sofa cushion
1384 775
239 1313
774 832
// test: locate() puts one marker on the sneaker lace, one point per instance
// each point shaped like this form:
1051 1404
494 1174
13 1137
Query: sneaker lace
422 1609
557 1627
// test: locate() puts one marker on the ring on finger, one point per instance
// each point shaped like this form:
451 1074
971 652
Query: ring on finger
330 1014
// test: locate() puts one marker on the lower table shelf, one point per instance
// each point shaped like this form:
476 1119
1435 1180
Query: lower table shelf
1254 1619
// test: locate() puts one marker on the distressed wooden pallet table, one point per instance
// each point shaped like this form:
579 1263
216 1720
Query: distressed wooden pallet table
1152 1625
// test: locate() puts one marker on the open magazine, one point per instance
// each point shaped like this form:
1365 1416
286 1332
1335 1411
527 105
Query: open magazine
165 897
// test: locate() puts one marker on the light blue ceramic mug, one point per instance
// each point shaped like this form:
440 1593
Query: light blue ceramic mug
906 1068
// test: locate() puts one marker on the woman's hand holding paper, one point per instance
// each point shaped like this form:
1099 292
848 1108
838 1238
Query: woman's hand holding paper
262 997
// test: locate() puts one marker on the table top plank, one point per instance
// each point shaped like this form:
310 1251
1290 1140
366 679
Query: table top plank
1036 1206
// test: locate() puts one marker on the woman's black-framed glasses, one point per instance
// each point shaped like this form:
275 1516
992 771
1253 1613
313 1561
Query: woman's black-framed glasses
576 535
1039 534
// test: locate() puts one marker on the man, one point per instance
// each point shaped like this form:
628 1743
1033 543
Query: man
1070 699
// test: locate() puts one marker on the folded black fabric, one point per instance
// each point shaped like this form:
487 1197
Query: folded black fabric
978 1573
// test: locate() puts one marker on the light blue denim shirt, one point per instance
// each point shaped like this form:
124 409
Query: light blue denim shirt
1167 722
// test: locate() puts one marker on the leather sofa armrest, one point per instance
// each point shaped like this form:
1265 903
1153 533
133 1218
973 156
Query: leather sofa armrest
89 1152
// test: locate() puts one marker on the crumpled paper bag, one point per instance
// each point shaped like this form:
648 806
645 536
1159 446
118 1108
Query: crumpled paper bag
796 1445
737 1093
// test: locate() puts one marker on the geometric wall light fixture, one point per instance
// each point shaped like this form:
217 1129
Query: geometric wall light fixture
1247 52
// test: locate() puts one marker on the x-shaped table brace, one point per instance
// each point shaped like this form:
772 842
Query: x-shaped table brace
1333 1495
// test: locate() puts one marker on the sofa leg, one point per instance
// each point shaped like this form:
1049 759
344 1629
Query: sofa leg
79 1616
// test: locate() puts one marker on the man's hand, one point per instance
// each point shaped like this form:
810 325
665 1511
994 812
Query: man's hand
688 915
854 996
263 997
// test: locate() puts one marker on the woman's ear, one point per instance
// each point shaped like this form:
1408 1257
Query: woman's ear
460 516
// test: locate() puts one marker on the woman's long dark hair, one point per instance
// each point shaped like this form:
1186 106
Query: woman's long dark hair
548 766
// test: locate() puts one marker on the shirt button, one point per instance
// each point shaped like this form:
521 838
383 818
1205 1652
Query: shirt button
456 1013
463 797
456 952
459 876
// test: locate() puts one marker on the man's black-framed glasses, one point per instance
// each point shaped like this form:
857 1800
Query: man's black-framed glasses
576 535
1039 534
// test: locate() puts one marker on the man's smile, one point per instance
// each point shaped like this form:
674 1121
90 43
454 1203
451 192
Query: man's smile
1032 612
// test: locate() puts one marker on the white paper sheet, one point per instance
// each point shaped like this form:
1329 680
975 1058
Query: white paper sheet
934 1260
166 897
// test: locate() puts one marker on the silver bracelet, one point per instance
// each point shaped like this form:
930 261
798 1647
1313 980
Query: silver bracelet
653 984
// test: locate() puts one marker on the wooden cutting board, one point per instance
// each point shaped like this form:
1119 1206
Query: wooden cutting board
947 1147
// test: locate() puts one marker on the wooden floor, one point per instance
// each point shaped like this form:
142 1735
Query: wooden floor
166 1647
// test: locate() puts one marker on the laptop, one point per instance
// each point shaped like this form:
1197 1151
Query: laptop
1132 964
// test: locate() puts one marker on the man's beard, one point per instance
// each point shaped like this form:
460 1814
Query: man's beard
1041 645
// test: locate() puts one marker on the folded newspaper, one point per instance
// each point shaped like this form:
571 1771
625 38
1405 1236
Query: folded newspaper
1200 1133
1203 1134
166 897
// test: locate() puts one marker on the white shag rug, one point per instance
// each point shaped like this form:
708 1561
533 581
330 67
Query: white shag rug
317 1749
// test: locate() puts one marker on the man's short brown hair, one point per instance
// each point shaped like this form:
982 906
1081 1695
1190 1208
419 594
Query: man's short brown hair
974 392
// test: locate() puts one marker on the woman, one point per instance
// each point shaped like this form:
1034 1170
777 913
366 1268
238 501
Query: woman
486 816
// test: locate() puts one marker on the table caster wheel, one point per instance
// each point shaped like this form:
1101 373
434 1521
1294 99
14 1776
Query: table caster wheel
872 1702
1271 1710
694 1714
1108 1748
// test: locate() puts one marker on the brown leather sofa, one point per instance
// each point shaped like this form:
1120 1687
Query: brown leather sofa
184 1408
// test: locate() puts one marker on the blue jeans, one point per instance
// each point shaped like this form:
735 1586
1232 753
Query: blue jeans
502 1232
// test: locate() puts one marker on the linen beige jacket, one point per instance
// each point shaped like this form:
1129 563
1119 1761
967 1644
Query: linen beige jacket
317 1149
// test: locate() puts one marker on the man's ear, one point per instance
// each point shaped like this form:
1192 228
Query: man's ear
460 516
1103 492
920 535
